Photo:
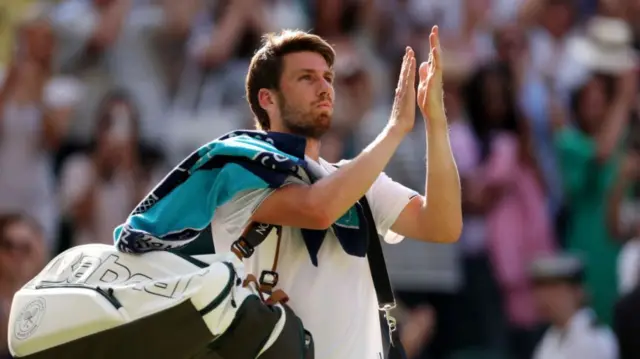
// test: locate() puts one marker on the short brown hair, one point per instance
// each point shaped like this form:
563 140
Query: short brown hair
266 65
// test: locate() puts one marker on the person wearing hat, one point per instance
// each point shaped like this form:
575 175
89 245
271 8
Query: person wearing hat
561 299
601 98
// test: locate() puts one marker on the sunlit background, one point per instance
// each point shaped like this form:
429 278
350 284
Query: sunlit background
99 98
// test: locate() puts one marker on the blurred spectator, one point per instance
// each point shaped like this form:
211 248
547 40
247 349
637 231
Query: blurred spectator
624 220
561 298
210 93
552 31
22 256
535 98
625 224
35 107
354 96
469 42
117 43
626 324
417 329
510 189
336 18
588 155
11 12
479 299
99 188
223 38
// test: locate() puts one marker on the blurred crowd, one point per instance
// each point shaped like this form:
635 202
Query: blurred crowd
100 98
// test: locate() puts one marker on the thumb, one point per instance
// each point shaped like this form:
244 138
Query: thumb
424 71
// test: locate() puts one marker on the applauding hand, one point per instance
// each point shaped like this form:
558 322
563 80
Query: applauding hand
430 93
403 112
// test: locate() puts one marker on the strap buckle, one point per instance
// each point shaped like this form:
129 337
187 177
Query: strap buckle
243 248
269 278
392 323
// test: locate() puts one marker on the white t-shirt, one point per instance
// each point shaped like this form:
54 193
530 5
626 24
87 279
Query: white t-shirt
581 339
336 300
629 266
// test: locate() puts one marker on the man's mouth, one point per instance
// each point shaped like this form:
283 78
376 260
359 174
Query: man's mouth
324 104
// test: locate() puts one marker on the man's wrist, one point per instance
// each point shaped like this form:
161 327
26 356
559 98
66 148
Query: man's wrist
437 126
394 132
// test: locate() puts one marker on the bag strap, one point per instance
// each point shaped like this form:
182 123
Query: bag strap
244 247
377 263
381 283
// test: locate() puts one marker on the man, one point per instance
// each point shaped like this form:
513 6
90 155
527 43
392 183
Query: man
22 255
575 331
289 88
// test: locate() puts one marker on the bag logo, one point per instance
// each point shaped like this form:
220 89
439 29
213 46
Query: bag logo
29 318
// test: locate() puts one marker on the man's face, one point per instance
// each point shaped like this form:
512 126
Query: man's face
557 300
592 106
21 253
38 40
305 99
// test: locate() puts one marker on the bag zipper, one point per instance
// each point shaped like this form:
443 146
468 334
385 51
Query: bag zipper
224 294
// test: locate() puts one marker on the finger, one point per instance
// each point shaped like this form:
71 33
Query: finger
437 63
437 51
406 64
424 71
422 87
432 38
402 70
411 69
411 80
405 70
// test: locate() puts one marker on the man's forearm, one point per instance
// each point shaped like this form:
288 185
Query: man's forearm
614 204
442 189
339 191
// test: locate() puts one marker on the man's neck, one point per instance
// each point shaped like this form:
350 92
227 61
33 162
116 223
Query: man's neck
313 149
563 321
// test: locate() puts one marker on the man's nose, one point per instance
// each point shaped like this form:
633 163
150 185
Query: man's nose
324 87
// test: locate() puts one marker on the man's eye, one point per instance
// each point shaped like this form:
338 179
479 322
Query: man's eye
305 77
329 79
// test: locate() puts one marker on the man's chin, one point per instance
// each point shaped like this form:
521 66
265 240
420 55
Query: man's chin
322 126
314 128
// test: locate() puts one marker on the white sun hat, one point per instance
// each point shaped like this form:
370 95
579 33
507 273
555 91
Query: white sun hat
605 46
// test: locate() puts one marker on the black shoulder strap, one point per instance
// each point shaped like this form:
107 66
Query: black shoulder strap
381 283
377 263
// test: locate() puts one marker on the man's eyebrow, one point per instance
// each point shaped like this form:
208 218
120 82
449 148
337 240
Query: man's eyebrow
307 71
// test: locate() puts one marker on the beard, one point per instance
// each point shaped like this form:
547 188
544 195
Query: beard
303 123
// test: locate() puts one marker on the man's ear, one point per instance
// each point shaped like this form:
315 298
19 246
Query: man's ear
266 99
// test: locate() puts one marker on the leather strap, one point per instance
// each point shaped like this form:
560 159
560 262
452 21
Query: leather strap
254 235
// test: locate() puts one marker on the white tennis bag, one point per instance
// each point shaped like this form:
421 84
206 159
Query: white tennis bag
95 288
